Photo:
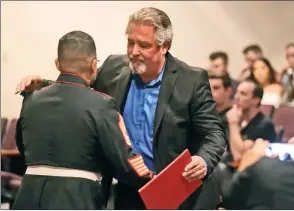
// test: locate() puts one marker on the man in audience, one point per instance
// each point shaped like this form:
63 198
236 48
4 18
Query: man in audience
221 89
166 104
251 53
219 65
219 62
245 119
287 74
71 136
256 181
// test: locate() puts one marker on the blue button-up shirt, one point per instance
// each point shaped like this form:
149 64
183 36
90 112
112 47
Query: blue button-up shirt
139 114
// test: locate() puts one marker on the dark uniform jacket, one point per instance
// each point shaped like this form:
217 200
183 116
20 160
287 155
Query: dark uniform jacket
185 116
72 126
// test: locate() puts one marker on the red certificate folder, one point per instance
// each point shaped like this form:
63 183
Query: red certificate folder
169 188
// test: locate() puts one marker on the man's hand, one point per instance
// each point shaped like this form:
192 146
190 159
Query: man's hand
254 154
196 169
29 84
234 115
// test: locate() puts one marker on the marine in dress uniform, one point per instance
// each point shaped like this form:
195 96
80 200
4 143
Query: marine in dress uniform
71 135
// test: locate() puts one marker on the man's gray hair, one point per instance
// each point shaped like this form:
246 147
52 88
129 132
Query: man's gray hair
157 18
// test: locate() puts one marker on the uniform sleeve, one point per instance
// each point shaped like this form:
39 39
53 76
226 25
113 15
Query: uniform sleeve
207 123
117 147
18 130
18 137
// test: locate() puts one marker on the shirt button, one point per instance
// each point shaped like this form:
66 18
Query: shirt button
140 124
141 105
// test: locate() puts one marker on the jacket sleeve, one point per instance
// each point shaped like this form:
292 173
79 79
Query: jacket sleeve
117 147
206 123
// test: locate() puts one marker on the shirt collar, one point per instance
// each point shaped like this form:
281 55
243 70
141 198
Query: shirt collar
71 78
157 80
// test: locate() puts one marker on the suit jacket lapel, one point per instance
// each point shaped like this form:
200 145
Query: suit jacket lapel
122 85
168 82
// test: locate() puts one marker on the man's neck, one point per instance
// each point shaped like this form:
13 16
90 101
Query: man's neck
85 77
250 114
150 75
223 106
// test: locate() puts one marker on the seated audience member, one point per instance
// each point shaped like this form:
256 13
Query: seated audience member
245 120
287 78
254 182
251 53
219 62
221 89
219 65
264 74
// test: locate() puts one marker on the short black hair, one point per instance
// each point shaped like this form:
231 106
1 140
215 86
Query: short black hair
227 82
258 90
255 48
76 46
219 54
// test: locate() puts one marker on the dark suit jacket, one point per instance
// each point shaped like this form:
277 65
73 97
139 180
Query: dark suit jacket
186 115
268 184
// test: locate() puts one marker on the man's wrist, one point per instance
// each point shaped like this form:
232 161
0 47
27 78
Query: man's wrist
233 122
206 167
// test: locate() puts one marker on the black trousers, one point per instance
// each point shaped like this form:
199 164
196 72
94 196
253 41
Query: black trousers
126 197
62 193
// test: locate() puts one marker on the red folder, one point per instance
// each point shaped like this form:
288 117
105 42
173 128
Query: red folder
169 188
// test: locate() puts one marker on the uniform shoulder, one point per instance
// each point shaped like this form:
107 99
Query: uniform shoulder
99 95
103 101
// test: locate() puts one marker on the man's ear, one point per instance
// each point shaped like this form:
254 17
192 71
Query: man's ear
165 47
94 65
57 64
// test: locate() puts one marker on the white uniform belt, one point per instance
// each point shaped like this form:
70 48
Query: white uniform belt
62 172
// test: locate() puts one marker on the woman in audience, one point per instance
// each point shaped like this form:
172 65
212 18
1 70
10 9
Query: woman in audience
263 72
